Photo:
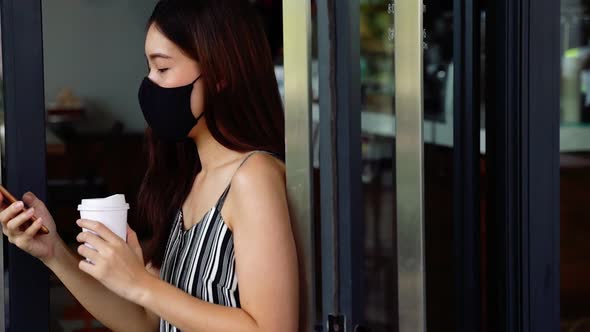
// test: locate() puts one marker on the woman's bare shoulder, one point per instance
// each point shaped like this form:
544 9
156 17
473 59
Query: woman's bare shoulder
259 184
260 167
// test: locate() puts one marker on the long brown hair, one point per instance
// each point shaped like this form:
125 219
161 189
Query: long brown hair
226 38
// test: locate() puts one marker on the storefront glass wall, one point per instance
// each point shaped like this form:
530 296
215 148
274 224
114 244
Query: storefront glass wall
575 164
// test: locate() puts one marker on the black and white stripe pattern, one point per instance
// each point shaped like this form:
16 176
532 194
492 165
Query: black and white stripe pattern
201 260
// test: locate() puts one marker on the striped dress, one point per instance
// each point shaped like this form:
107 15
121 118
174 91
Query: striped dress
201 260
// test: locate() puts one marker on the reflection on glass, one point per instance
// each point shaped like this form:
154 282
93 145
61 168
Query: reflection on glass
378 171
378 176
94 124
438 165
575 92
575 165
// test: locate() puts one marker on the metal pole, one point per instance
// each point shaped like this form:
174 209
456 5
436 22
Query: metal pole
410 164
297 50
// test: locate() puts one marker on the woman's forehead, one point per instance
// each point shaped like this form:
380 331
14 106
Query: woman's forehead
156 43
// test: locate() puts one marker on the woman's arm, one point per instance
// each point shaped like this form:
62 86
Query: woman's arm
116 312
266 262
113 311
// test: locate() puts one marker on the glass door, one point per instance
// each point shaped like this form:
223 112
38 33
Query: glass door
407 112
574 164
386 247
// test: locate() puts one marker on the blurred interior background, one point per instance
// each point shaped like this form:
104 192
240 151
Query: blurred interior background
575 164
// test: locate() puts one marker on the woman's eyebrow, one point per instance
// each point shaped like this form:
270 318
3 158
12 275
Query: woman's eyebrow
159 55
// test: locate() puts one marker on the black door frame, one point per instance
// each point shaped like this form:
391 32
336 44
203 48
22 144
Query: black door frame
22 40
466 165
523 66
340 161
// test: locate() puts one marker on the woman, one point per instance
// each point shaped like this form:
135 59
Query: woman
222 255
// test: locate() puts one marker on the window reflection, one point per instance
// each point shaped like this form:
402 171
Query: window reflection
94 124
575 164
379 164
575 93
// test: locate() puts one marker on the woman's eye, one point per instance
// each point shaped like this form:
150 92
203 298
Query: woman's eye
163 70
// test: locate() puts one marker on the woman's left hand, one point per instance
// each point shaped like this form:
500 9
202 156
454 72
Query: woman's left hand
116 264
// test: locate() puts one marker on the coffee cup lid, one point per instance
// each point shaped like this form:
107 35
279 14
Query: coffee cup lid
114 202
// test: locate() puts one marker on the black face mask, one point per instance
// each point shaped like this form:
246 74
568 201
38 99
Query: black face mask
168 110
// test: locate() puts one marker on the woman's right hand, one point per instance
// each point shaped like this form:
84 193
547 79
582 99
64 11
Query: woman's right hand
30 239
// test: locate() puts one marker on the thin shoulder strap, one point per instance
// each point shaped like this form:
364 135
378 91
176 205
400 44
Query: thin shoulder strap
226 191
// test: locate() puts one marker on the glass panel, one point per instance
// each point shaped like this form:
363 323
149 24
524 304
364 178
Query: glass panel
378 158
575 165
379 165
438 165
94 124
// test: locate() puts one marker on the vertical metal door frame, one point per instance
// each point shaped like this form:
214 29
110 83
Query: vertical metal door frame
409 59
523 163
466 168
340 160
25 153
297 50
328 170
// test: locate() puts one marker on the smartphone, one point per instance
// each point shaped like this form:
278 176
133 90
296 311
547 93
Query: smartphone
9 199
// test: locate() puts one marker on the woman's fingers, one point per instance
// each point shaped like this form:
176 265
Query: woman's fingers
133 242
87 252
87 267
14 224
31 200
100 229
7 214
93 240
34 228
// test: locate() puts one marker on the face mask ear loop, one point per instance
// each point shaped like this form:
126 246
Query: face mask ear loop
200 116
202 113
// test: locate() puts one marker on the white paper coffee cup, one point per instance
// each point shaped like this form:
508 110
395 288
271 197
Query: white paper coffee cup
110 211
